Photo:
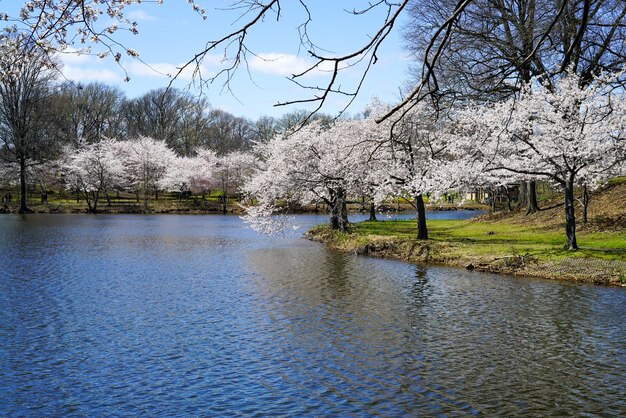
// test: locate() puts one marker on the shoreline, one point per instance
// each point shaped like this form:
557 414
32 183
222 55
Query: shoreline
53 208
430 252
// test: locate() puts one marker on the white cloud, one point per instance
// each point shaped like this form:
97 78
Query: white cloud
83 67
139 15
91 74
209 65
152 69
278 63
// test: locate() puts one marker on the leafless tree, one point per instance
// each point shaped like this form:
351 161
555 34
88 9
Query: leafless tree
25 111
87 113
226 133
169 115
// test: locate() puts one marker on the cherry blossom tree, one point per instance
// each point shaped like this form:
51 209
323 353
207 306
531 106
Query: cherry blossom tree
231 171
178 176
47 175
204 169
318 163
146 162
94 169
564 133
295 168
192 174
416 150
417 156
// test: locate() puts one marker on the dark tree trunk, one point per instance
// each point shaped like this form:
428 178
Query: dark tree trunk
570 218
338 219
372 211
422 230
23 207
585 203
96 199
224 202
88 200
531 198
523 194
505 190
92 201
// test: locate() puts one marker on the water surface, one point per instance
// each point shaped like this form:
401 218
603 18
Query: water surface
197 315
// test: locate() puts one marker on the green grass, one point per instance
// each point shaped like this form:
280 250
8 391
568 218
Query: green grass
617 180
501 238
126 201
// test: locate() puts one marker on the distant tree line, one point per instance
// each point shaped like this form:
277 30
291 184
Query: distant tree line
86 113
42 117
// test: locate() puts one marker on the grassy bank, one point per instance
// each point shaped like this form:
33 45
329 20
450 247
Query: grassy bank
125 203
510 243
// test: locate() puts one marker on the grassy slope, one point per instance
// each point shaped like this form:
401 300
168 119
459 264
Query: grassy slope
507 243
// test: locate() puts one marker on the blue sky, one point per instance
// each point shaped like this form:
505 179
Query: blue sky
169 34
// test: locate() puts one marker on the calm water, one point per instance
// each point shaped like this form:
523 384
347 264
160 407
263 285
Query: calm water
196 315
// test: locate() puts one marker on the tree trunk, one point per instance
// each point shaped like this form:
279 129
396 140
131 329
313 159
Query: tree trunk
570 218
522 194
585 203
422 230
505 190
224 201
338 219
145 197
23 207
88 199
372 211
531 198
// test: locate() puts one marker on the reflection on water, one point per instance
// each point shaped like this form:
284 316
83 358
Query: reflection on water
184 315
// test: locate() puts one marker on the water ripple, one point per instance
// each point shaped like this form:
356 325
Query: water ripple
183 315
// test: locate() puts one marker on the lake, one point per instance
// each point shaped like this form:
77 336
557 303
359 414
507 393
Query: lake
173 315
